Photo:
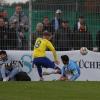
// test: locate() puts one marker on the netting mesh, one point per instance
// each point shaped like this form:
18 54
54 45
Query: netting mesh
69 33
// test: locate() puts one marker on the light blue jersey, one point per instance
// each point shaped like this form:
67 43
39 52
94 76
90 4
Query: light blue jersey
72 68
9 68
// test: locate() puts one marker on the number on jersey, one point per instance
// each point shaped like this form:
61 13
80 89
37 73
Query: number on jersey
37 44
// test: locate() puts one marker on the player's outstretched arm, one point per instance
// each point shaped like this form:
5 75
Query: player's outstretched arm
75 75
63 74
55 56
51 47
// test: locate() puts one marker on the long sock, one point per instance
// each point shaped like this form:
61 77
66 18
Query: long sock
39 71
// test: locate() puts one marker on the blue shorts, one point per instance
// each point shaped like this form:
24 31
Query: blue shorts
44 62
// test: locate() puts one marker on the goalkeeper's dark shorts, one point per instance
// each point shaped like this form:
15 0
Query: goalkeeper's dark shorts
22 76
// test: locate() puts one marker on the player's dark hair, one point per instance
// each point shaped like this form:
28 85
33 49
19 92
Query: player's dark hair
82 17
18 5
3 52
65 58
1 17
65 21
46 17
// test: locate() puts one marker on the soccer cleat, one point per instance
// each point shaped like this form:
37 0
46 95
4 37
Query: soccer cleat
57 70
46 73
41 79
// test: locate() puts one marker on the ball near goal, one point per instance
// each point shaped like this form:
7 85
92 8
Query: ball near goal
83 50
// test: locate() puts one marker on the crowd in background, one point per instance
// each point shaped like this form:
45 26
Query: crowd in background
65 38
12 32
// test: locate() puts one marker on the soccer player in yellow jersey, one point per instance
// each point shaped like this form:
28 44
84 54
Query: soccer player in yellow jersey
39 54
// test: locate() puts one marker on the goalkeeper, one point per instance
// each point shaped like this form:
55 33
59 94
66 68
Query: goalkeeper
39 54
70 68
11 69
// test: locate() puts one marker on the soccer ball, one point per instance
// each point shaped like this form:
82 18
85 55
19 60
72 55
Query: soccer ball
83 51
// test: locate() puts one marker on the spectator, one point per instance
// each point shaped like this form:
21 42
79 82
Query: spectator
65 27
21 22
4 15
80 25
82 40
7 36
38 32
1 10
85 38
47 25
62 39
56 22
98 41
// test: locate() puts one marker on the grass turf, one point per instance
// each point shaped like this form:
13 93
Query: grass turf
50 90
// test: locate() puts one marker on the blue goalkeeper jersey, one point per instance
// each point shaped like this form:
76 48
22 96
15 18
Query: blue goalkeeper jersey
72 68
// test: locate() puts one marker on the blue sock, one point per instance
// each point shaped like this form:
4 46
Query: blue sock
39 71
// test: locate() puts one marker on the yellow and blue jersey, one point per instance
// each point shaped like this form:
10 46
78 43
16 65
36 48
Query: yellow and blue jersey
41 46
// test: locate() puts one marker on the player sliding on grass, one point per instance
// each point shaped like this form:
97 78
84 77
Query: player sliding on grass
70 68
39 54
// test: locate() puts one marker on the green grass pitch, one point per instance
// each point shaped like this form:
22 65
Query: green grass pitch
55 90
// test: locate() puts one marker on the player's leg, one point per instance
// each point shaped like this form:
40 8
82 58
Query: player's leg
0 76
13 73
39 63
47 63
4 73
39 68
